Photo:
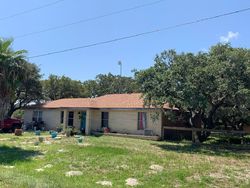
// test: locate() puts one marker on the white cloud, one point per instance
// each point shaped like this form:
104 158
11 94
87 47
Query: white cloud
204 50
230 35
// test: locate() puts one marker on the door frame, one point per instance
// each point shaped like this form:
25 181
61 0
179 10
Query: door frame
83 121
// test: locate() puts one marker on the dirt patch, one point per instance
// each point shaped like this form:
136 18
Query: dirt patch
218 175
156 168
61 150
9 167
73 173
195 177
48 166
83 144
104 183
132 182
123 167
47 142
39 169
3 139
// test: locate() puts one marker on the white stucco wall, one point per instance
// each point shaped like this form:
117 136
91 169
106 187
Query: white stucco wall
95 124
51 117
125 121
121 121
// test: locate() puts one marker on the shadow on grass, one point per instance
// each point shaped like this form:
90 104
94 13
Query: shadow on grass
207 149
97 134
10 155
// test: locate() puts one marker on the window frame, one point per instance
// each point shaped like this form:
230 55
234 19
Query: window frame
62 117
37 116
105 120
71 119
141 119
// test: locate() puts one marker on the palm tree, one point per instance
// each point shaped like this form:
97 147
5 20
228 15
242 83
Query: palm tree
11 72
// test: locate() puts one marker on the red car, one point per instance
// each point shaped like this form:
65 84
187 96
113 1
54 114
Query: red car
10 124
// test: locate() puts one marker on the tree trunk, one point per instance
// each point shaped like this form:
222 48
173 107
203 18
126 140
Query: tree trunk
210 123
3 107
195 121
11 110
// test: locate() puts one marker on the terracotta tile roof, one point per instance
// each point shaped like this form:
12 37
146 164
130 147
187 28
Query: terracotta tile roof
129 101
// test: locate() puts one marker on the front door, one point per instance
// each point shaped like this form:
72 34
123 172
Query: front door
83 122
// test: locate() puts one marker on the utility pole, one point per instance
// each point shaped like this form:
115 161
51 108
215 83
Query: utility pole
120 64
120 78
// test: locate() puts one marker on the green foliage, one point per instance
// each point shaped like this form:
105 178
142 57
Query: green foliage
56 87
19 79
204 84
28 90
18 114
13 70
109 84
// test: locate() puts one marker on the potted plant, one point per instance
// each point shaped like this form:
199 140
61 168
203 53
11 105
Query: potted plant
59 128
18 132
106 130
40 139
69 131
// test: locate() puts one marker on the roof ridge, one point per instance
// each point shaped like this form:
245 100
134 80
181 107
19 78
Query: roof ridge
118 101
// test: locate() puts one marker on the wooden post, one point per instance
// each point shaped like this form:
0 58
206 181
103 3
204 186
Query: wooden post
242 139
195 138
65 118
88 122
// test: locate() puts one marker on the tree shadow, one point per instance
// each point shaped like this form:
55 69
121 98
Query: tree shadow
97 134
11 155
224 150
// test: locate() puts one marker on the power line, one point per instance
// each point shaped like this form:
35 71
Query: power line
30 10
89 19
143 33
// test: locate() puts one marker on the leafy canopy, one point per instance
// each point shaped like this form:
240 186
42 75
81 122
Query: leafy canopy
201 83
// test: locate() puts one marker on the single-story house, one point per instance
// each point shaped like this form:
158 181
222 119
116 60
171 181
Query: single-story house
121 113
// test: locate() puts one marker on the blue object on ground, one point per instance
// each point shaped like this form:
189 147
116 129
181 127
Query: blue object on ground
80 139
54 134
38 133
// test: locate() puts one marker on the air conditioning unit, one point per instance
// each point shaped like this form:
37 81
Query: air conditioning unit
148 132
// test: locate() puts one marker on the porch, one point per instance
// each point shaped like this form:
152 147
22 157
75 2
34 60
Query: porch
79 119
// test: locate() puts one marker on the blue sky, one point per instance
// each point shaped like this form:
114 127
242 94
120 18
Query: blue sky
136 53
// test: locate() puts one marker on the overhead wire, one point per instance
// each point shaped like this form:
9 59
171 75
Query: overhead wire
143 33
89 19
30 10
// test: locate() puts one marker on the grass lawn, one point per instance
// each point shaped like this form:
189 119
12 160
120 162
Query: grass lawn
115 159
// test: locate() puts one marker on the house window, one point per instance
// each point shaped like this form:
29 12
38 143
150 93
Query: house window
37 116
62 117
71 119
142 120
105 119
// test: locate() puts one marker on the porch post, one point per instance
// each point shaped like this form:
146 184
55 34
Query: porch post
65 118
88 122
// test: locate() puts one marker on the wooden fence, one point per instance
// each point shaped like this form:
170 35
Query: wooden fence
194 130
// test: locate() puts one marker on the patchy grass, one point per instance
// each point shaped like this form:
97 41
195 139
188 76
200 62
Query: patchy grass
113 161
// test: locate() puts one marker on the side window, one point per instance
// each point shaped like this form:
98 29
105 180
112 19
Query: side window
105 119
40 116
37 116
71 119
61 117
142 121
